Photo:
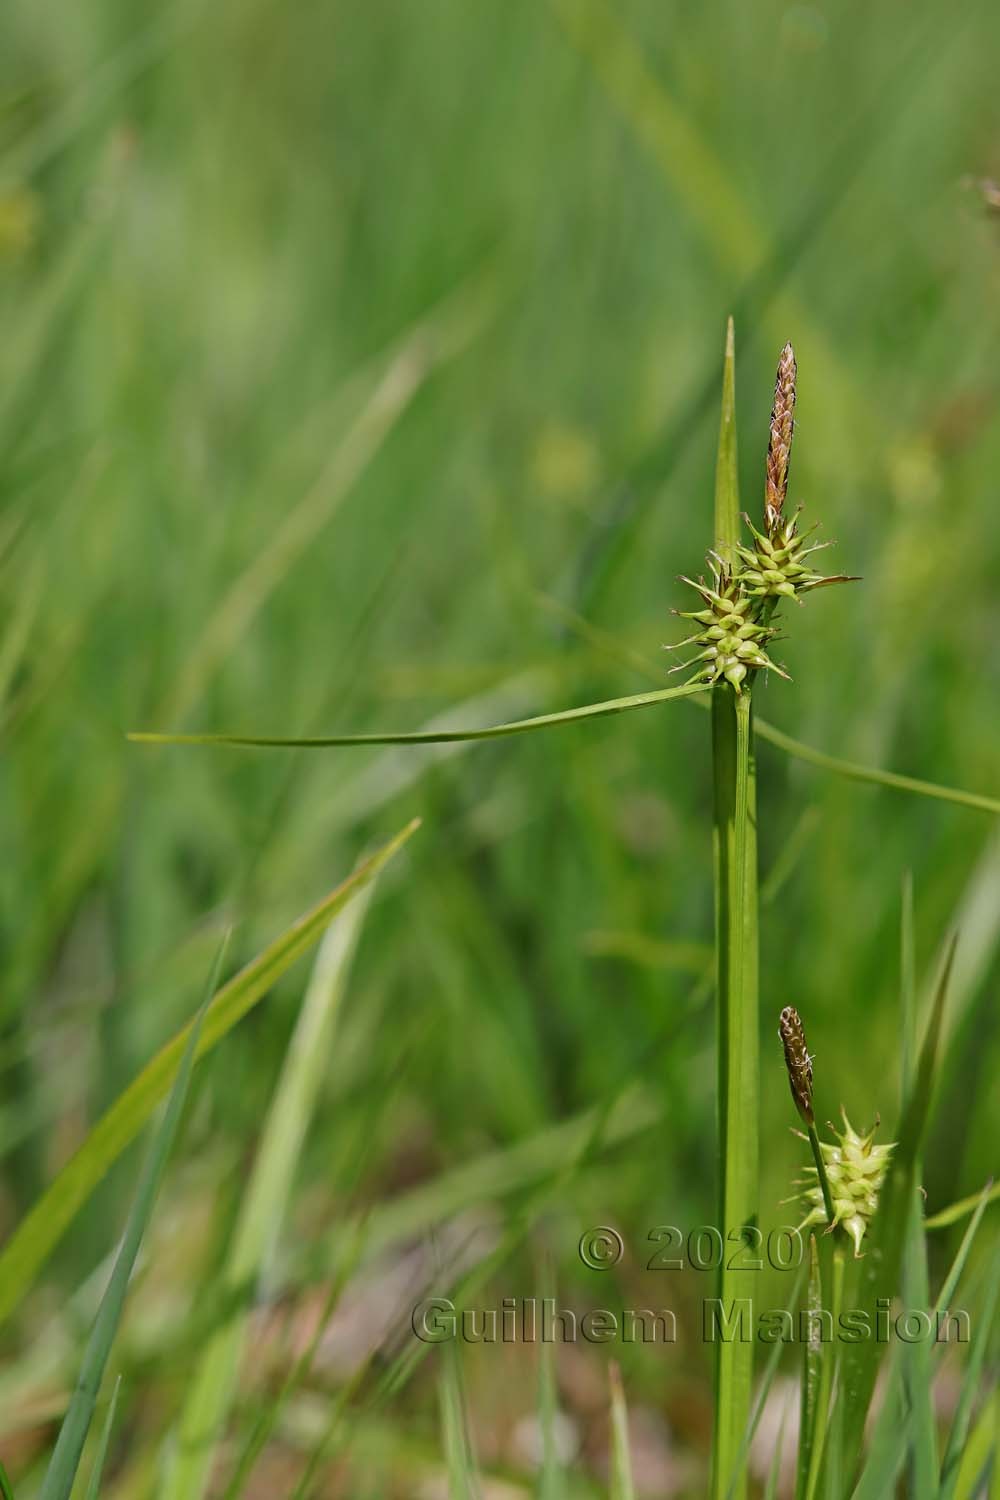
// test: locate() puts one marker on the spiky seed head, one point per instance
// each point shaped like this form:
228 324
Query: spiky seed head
797 1061
779 447
855 1169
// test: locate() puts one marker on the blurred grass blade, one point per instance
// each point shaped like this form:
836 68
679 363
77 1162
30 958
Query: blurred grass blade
96 1473
965 1206
434 339
61 1473
622 1487
462 1483
970 1383
880 1268
971 1479
263 1208
774 1474
893 1430
958 1265
915 1361
425 736
550 1475
40 1231
735 869
827 1353
890 1438
6 1488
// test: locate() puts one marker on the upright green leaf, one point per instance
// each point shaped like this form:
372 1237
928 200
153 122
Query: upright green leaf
735 845
879 1276
263 1207
915 1358
622 1487
97 1472
970 1383
61 1473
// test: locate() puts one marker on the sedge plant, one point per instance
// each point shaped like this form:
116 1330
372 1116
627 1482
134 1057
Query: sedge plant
754 577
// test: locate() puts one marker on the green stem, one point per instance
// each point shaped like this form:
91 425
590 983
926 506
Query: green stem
736 897
824 1181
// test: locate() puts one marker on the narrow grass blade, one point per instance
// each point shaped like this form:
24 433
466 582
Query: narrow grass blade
6 1488
622 1487
971 1479
61 1473
40 1231
874 774
426 736
211 1391
96 1473
827 1365
735 846
880 1268
915 1359
894 1429
970 1383
462 1483
812 1364
763 729
958 1265
892 1434
774 1474
550 1476
763 1391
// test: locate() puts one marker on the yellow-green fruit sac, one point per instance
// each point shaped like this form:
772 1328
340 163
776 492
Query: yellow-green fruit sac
856 1168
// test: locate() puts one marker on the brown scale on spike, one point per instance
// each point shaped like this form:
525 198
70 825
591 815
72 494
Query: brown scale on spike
797 1061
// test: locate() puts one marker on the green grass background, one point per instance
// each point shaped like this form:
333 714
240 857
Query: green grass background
220 228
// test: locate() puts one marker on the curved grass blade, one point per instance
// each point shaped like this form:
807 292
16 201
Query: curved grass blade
6 1489
94 1486
622 1487
855 772
915 1359
880 1268
211 1391
61 1473
35 1238
635 661
424 736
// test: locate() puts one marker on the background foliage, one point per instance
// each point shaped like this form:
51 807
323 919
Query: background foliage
350 355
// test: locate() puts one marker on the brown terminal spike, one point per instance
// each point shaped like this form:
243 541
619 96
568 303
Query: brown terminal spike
779 446
797 1061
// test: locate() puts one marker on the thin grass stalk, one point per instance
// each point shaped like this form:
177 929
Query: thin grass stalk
735 838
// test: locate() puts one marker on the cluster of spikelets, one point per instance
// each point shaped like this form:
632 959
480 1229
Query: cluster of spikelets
855 1170
740 600
853 1167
